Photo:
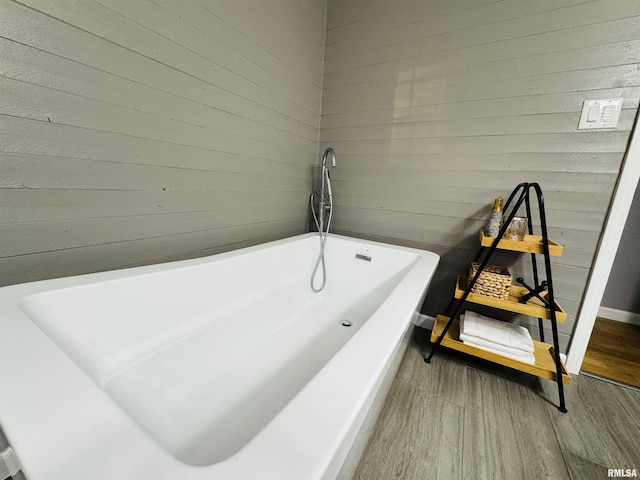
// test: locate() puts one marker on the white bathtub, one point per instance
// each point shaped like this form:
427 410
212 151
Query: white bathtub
226 367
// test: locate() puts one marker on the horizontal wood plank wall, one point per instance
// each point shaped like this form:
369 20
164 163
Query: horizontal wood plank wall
434 108
153 130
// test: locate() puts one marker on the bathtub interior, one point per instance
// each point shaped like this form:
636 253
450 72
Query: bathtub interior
204 356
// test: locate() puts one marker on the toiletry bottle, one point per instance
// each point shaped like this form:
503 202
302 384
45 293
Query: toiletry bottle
496 219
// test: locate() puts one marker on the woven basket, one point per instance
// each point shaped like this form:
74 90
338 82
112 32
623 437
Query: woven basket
494 281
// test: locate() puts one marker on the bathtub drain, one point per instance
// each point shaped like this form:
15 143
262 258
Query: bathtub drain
346 323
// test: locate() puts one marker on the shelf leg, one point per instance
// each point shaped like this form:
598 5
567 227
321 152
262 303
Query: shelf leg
540 327
444 332
534 265
554 328
447 311
554 325
428 358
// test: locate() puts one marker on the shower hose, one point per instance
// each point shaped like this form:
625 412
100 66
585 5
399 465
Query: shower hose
323 241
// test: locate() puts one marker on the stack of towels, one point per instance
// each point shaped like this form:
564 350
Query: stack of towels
506 339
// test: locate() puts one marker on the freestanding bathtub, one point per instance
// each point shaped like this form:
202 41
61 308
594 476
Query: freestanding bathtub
225 367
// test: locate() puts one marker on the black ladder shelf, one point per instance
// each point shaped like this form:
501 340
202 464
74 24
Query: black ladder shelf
525 300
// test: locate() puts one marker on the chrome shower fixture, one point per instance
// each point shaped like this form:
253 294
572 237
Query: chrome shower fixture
325 205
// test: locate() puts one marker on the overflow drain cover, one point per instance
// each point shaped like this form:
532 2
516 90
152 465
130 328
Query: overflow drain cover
346 323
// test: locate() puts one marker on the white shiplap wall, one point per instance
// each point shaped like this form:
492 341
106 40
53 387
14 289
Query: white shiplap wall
437 107
145 131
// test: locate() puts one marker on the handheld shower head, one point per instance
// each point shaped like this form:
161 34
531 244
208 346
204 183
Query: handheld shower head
329 190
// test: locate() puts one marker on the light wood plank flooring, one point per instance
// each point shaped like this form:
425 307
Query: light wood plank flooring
614 352
463 418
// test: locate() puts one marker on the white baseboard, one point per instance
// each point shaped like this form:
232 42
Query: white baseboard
424 321
619 315
9 465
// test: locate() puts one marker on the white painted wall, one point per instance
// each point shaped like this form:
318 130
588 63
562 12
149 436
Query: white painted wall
623 286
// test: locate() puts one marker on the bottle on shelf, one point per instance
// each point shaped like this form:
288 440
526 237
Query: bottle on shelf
495 222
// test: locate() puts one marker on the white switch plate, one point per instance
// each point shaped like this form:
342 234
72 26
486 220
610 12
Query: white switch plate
600 113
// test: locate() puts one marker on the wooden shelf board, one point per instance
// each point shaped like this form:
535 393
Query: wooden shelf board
530 244
544 367
534 307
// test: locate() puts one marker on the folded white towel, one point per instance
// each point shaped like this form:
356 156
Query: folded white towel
494 346
524 357
506 334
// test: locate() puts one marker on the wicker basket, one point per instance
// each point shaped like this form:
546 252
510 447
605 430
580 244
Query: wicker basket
494 281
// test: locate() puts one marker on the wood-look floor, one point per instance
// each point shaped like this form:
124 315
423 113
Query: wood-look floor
463 418
614 352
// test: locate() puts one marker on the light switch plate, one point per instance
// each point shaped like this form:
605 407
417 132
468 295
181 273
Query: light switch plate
600 113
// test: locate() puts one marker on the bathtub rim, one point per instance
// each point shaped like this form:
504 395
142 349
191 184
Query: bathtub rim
39 459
